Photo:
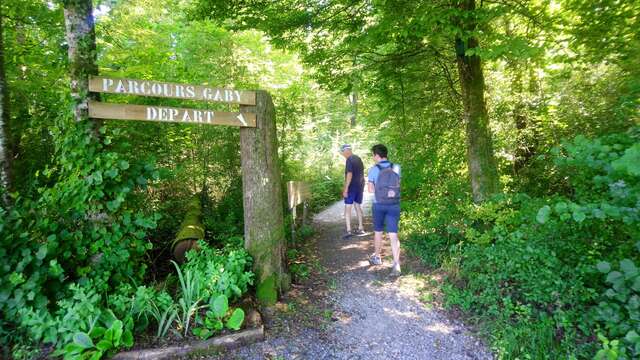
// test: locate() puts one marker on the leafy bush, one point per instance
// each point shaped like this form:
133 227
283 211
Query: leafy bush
223 271
103 336
80 238
525 266
214 320
618 312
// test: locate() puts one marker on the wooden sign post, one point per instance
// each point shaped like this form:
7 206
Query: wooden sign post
170 90
98 110
298 192
261 178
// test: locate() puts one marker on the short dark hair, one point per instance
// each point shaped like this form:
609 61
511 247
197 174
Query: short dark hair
379 150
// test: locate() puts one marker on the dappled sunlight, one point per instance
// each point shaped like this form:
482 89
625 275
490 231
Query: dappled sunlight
439 328
404 314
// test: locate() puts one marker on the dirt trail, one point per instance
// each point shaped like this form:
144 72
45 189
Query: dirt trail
357 311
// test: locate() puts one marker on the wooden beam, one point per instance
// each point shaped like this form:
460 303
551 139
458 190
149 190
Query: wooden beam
99 110
210 346
170 90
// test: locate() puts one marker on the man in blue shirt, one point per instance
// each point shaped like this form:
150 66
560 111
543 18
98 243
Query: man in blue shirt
386 205
353 188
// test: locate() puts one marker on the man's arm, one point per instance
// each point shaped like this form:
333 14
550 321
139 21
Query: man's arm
371 187
347 182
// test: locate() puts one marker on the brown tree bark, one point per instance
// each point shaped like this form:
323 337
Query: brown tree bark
81 39
353 99
6 156
480 158
263 207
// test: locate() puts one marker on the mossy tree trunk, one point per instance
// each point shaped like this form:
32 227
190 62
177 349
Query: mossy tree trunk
480 158
6 158
262 188
81 39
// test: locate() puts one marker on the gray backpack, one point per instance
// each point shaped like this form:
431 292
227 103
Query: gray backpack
387 186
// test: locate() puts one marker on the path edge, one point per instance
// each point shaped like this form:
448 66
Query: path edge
200 347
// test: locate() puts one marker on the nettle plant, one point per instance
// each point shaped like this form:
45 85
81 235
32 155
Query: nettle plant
619 310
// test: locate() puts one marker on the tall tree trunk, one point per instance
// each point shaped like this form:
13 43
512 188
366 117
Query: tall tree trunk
81 39
480 159
353 99
6 157
264 233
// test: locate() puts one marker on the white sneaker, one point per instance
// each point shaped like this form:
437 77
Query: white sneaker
375 260
396 269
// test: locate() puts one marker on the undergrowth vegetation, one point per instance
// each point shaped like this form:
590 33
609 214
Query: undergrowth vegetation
530 269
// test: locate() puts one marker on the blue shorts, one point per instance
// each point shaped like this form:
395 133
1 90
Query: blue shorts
354 196
389 214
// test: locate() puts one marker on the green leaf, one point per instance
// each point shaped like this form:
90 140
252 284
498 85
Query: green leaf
123 164
70 350
613 277
202 333
127 338
104 345
603 267
632 337
629 162
83 340
636 285
236 319
629 268
117 332
543 214
220 306
579 216
42 252
97 332
108 318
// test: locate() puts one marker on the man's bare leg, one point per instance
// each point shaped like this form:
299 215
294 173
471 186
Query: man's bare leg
395 249
360 216
347 216
377 243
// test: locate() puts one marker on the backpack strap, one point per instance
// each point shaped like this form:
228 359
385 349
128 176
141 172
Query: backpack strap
380 167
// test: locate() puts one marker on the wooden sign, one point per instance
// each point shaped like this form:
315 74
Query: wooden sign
298 192
101 110
170 90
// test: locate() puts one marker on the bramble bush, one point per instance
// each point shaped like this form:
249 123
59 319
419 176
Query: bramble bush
525 267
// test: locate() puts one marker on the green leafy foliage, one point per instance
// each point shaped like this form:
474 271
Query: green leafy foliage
223 271
520 260
214 322
618 311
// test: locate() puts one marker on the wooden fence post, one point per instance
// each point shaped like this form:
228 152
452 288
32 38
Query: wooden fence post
262 192
305 213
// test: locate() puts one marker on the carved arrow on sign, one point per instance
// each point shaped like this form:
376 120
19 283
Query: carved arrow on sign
241 118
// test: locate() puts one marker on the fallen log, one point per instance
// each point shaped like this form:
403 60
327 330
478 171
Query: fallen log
190 231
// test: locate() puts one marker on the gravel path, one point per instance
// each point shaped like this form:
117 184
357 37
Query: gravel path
356 311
